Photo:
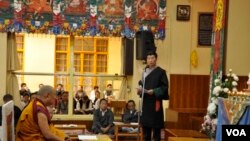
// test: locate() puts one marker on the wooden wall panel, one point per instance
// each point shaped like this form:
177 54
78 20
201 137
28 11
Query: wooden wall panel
242 83
192 91
189 99
188 91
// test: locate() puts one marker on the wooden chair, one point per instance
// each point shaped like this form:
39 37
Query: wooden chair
118 106
119 125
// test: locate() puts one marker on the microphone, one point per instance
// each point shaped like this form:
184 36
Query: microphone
140 83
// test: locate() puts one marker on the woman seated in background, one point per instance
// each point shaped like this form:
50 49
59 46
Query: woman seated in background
130 115
62 107
97 100
33 95
26 100
77 103
87 106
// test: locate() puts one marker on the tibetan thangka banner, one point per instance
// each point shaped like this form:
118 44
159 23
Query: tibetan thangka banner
110 17
216 67
34 15
84 17
150 15
70 17
6 14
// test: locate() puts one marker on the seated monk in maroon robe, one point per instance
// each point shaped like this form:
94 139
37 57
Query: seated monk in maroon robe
35 120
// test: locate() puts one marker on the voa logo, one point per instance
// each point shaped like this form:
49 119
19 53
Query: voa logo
236 132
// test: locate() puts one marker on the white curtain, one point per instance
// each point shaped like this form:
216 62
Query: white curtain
12 65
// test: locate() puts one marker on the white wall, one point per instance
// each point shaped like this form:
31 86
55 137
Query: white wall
180 43
114 57
238 39
204 52
39 56
183 38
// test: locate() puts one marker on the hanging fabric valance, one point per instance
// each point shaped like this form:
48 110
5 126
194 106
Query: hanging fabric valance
84 17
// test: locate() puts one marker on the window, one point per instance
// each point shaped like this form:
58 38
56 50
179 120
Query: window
205 29
20 53
70 61
90 57
62 50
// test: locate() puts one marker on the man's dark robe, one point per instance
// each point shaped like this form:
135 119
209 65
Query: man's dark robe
158 81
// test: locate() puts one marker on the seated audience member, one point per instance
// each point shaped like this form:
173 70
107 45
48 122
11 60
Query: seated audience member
92 95
87 106
77 103
24 89
108 93
26 100
58 98
80 91
40 85
17 111
59 88
97 100
130 115
35 120
103 119
33 95
62 107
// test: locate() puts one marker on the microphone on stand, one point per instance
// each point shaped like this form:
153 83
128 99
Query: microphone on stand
141 84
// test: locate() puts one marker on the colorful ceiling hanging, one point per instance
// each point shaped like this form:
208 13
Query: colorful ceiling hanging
84 17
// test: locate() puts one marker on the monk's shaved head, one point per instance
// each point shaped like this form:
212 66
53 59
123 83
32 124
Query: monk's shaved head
46 89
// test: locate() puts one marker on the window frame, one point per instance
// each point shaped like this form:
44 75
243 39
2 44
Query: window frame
71 64
67 52
20 51
94 52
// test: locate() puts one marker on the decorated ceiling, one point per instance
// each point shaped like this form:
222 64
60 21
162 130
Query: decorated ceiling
84 17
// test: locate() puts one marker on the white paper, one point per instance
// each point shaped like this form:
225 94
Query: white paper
87 137
134 123
69 125
118 123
